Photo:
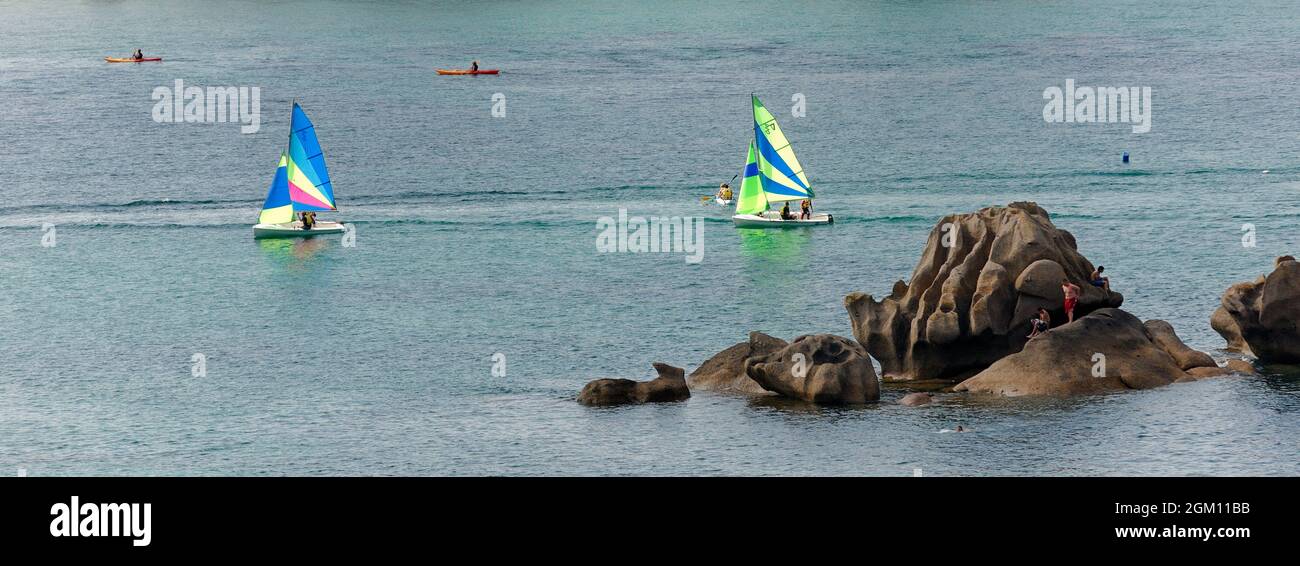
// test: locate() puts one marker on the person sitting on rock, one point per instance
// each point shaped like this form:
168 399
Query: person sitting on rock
1098 280
1071 298
1040 323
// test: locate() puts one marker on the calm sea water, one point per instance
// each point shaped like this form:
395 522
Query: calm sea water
475 234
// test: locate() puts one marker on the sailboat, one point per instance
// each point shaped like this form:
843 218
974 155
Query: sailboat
301 184
772 175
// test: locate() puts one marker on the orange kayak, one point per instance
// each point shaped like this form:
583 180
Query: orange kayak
468 72
130 60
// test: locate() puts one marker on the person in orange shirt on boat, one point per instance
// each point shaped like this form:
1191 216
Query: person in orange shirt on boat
805 210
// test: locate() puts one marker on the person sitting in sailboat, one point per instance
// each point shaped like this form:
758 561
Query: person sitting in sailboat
785 212
308 220
805 210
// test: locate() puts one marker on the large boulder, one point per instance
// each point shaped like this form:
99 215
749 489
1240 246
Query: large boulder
1262 317
1107 350
669 386
982 276
725 371
821 368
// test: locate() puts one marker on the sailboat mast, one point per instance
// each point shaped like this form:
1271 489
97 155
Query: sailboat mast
289 142
758 155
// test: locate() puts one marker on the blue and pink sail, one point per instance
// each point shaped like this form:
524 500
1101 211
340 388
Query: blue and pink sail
302 182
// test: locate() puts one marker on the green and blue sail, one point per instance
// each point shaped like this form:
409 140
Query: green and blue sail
772 172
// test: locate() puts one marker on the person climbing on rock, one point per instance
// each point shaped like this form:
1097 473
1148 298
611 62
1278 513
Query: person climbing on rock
1071 298
1040 323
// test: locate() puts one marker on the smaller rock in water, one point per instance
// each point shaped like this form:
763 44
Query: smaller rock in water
1232 367
669 386
1242 367
1223 323
1260 317
1164 336
916 399
725 371
821 368
1205 373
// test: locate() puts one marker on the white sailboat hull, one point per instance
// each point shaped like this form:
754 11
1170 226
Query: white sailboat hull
773 220
294 230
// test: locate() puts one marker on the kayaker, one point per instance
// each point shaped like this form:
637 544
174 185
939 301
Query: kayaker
138 55
724 192
474 66
805 209
785 212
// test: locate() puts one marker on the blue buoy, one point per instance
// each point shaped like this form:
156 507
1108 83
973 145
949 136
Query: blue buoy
1126 157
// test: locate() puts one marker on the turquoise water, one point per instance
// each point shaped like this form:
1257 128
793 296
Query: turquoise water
476 234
